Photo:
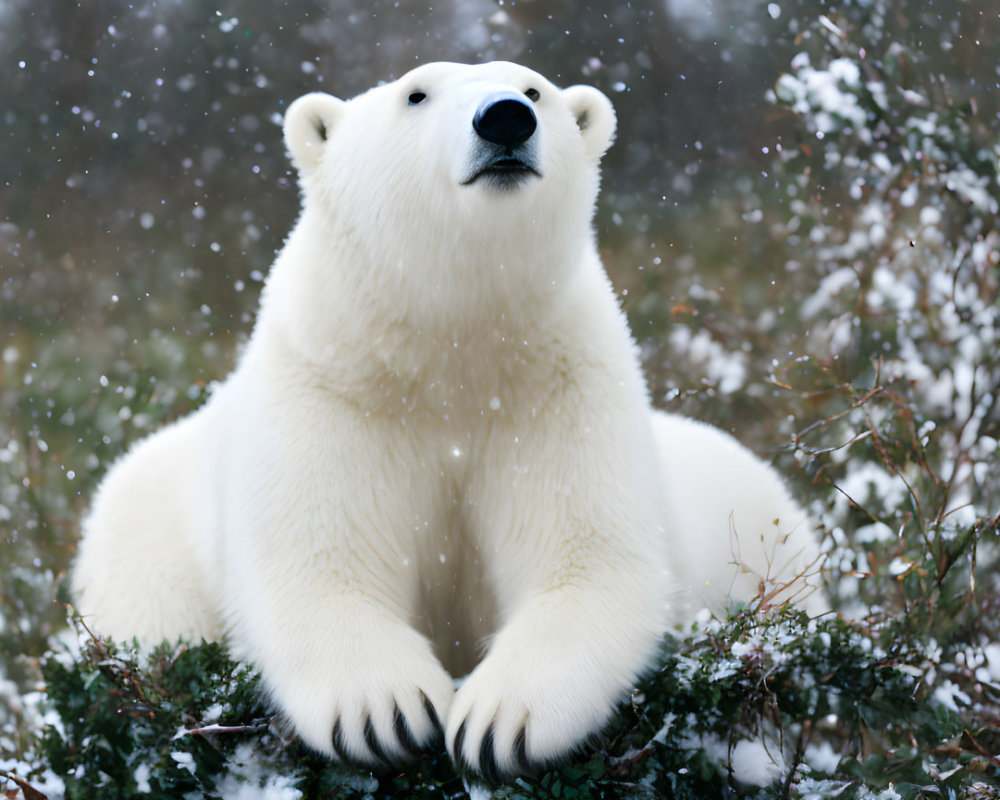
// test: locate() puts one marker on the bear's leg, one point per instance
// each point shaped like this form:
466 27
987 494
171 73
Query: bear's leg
576 564
356 681
736 532
326 581
551 678
140 567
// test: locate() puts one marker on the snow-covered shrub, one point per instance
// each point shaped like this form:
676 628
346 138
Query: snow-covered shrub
893 203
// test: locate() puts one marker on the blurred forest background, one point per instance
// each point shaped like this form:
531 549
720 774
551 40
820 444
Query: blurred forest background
800 216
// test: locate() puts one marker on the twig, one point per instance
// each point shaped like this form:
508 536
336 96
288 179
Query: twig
30 792
800 750
254 727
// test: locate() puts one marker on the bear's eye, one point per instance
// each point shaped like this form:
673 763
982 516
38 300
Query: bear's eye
532 94
416 98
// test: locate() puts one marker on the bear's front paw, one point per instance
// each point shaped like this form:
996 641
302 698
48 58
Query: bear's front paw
373 698
518 715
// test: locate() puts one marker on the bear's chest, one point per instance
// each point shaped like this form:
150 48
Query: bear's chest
454 391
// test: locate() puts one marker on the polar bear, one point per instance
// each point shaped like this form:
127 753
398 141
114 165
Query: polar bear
437 455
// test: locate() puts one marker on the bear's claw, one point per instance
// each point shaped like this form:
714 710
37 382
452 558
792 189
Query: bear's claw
488 766
521 752
488 769
382 752
374 745
403 733
338 743
438 738
456 750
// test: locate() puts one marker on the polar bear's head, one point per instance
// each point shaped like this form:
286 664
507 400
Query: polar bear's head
408 169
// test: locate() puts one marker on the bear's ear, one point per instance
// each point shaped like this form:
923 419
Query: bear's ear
595 117
308 123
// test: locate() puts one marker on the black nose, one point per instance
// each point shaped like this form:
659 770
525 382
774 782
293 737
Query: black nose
504 119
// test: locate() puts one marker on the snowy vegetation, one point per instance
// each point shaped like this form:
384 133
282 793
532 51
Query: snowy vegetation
831 297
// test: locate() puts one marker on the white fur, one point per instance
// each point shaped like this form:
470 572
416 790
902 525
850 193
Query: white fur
437 453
